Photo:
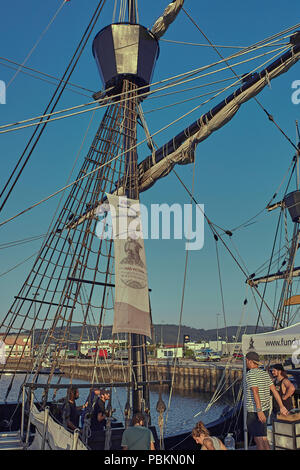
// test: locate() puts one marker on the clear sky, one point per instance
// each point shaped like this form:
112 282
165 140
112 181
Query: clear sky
237 170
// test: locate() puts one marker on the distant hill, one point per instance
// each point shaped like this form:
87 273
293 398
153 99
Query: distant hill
168 333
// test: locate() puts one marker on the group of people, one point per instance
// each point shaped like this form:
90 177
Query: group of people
266 397
94 408
136 437
260 408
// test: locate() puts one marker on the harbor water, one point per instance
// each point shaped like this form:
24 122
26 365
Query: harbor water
184 408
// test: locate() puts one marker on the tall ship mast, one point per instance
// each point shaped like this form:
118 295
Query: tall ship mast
289 207
126 54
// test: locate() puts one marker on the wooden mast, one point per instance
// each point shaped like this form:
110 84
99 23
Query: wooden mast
136 343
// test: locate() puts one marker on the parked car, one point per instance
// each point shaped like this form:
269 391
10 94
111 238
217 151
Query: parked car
102 353
200 356
207 356
214 357
121 354
74 354
238 355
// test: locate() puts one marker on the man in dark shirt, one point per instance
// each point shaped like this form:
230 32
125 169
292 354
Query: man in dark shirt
70 410
284 387
98 419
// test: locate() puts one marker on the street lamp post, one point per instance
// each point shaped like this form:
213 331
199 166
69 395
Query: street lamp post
161 334
218 314
33 330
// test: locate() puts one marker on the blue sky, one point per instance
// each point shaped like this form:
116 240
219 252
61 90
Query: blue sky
237 169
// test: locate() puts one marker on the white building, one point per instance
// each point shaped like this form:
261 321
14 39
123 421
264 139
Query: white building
196 346
108 344
216 346
169 352
17 346
231 348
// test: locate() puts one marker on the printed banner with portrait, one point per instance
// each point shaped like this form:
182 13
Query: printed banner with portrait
132 310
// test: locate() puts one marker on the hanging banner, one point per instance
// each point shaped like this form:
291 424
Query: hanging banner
132 310
284 341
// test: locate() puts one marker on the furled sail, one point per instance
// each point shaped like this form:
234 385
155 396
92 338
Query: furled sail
132 310
273 277
169 15
294 300
180 150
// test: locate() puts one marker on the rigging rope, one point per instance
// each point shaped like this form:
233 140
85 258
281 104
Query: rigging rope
221 289
37 77
183 101
106 104
12 244
181 307
270 117
209 45
101 139
19 264
59 90
37 43
218 393
273 247
77 156
269 203
93 171
214 231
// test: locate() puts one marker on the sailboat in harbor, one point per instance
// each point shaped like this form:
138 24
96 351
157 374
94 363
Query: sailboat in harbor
80 273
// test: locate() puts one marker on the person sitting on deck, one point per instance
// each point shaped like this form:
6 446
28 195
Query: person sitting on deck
201 436
137 436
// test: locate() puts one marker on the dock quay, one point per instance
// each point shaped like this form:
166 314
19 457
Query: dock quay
192 377
187 375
